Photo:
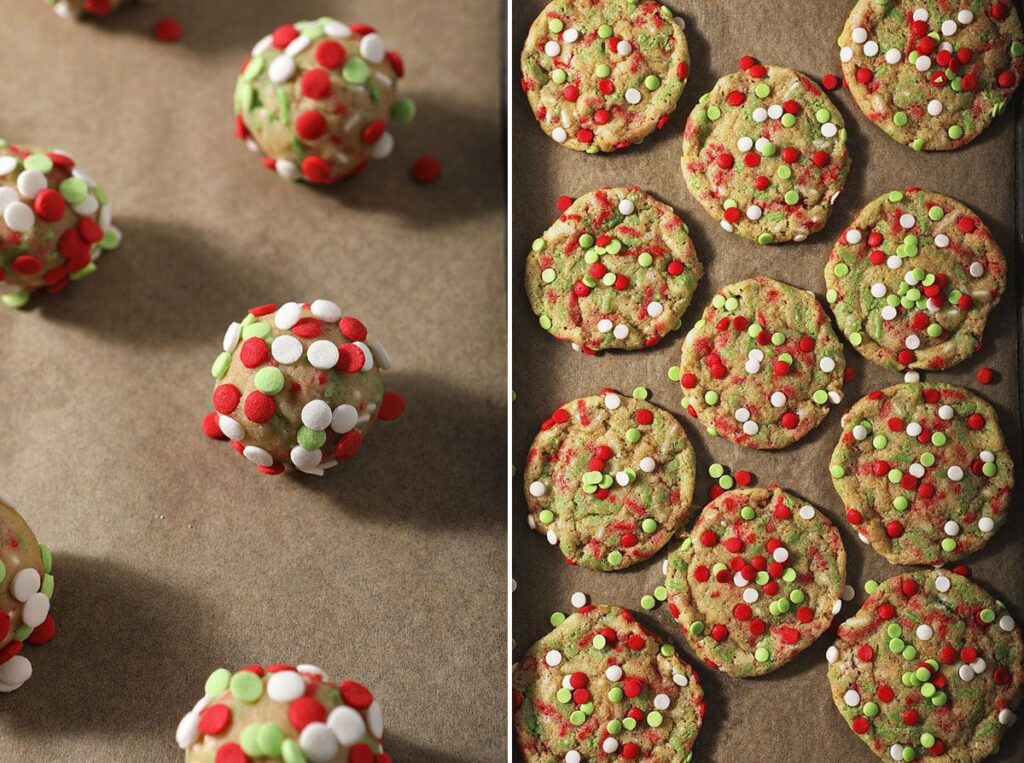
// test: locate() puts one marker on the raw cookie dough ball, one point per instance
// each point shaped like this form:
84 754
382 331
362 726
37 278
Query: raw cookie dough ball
55 222
316 99
280 712
299 385
27 585
71 9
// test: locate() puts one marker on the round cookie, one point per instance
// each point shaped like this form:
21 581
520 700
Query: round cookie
615 271
765 153
316 99
932 74
924 472
609 479
757 580
55 222
299 385
72 9
602 687
602 76
26 573
930 667
292 713
762 365
913 279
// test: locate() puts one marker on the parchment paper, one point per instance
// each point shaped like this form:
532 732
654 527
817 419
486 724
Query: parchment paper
788 715
173 555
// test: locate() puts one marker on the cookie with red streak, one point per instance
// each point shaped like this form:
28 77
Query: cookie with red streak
762 366
608 480
602 687
929 668
924 472
757 581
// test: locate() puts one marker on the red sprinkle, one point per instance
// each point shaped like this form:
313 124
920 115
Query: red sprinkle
306 710
214 719
985 375
391 406
316 84
356 695
231 752
259 407
310 125
426 169
350 358
348 445
167 29
330 54
211 427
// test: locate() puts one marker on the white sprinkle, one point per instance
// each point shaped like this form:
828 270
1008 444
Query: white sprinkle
570 35
946 412
231 337
854 236
662 701
24 584
633 96
538 488
750 428
257 455
288 170
1006 623
949 28
16 670
955 473
655 309
552 48
966 673
317 415
845 53
286 349
750 595
934 107
553 658
871 48
851 698
965 17
610 745
326 310
347 725
323 354
287 315
188 730
859 35
727 226
578 599
829 130
648 464
941 240
775 111
744 144
921 14
847 593
382 148
344 418
281 69
622 479
912 342
907 221
778 399
978 666
911 377
624 48
896 752
893 56
837 605
754 212
612 401
859 432
987 456
30 183
318 742
297 45
286 686
916 470
986 524
806 512
305 460
781 554
951 528
35 610
760 114
942 584
1007 717
19 217
372 48
573 757
613 673
878 290
7 197
827 364
831 654
604 325
559 135
742 414
8 164
337 30
626 207
923 63
621 331
977 270
231 428
756 354
894 262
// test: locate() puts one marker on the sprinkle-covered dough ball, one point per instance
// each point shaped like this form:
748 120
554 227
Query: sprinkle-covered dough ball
71 9
55 222
316 99
929 669
933 74
282 712
913 280
765 153
299 385
615 272
602 76
26 586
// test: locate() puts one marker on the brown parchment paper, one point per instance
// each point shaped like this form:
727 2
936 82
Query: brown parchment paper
788 715
173 555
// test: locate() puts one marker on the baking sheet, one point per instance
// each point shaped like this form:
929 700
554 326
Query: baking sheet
173 556
788 715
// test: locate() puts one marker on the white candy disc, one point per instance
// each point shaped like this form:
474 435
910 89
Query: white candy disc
24 584
35 610
16 670
613 673
286 349
30 183
553 658
258 455
231 337
344 418
578 599
231 428
318 742
538 488
305 459
323 354
19 217
285 686
188 731
851 698
317 415
281 69
287 315
375 719
347 724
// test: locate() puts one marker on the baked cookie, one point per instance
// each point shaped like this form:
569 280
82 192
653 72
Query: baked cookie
292 713
924 472
765 153
615 271
602 687
913 279
26 575
757 580
72 9
316 100
299 385
930 667
601 76
55 222
762 366
609 479
932 73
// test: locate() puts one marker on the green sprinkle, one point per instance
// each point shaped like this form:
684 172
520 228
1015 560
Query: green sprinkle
615 694
822 116
604 31
716 470
259 329
217 682
546 516
269 380
545 322
654 719
948 544
586 241
47 586
246 686
250 742
403 111
599 642
291 752
747 513
820 397
577 718
74 190
761 654
649 525
870 586
714 113
762 90
547 275
559 77
696 628
726 482
987 616
841 269
614 726
870 709
17 299
661 594
355 71
955 132
645 260
615 558
602 70
675 373
837 471
647 602
555 26
652 82
791 197
711 397
900 118
39 163
221 365
788 120
641 393
45 553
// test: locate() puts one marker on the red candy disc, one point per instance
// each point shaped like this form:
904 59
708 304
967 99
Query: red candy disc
356 695
259 407
348 445
391 406
330 54
306 710
353 328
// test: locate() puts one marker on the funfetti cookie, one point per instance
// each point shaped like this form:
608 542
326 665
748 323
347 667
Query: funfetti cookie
929 668
913 279
757 580
318 100
72 9
924 472
602 687
26 587
282 712
55 222
762 366
608 479
299 385
765 153
932 73
615 271
602 76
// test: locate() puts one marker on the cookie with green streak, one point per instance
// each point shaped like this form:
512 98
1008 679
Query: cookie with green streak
762 366
609 479
602 76
924 472
929 668
615 271
602 687
913 280
757 581
931 73
765 153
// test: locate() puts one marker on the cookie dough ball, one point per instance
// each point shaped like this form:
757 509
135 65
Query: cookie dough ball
316 99
72 9
25 591
55 222
280 712
602 76
299 385
933 75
